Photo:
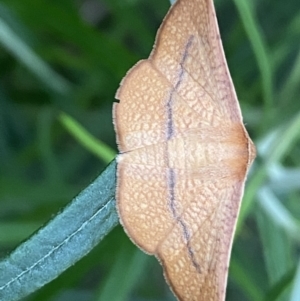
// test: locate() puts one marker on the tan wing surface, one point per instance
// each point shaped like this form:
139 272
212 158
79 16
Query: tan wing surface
195 254
190 28
184 153
190 234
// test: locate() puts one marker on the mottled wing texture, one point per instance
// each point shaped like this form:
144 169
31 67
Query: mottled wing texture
196 264
140 116
184 153
191 232
206 85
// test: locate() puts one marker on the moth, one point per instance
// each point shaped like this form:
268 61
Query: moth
184 153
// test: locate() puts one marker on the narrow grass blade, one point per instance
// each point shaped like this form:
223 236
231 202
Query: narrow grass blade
260 51
295 296
92 144
123 275
22 52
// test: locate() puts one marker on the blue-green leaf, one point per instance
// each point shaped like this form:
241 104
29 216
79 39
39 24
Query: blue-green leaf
63 241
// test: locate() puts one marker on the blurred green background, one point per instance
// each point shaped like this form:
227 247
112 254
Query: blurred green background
69 56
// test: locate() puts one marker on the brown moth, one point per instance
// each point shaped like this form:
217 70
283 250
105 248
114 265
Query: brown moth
185 153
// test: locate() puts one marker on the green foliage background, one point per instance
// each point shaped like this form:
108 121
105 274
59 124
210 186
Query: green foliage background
64 56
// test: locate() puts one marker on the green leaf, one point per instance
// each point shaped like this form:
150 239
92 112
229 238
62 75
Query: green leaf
243 279
278 288
63 241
